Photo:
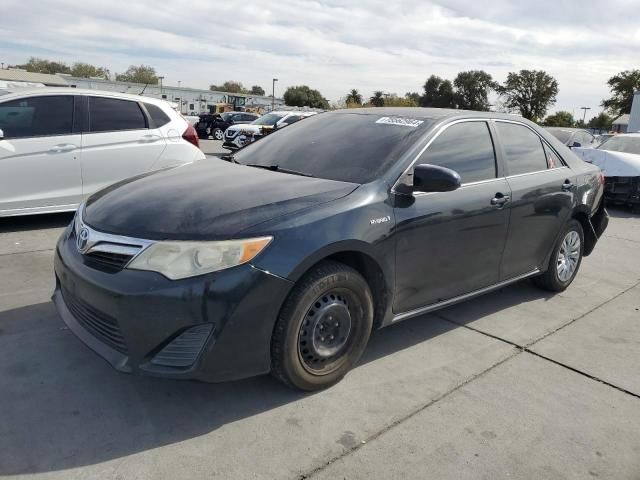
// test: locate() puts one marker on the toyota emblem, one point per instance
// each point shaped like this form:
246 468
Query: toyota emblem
82 241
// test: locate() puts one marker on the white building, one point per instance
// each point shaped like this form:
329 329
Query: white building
190 101
634 118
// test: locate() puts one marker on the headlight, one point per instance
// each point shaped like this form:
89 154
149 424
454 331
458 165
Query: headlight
176 260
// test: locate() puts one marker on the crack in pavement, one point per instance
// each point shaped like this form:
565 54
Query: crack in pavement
401 420
526 348
519 349
27 251
622 238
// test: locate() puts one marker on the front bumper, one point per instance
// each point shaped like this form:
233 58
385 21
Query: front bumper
622 190
133 318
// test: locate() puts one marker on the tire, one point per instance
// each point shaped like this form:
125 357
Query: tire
556 278
323 327
218 134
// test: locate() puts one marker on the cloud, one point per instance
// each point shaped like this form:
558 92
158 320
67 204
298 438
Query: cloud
372 45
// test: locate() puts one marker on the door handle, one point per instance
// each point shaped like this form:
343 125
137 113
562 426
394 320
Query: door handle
500 199
63 147
567 185
150 138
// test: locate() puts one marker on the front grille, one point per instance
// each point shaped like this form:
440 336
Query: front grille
100 325
107 261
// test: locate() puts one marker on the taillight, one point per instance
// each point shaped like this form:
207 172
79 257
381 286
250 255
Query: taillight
191 136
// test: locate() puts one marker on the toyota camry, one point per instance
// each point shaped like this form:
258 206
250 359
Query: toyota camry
286 256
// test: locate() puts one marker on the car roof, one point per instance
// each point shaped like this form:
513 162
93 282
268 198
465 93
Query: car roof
429 113
566 129
30 92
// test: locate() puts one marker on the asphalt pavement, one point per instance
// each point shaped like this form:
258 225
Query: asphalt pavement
516 384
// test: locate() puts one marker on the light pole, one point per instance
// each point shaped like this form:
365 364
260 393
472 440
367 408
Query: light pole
584 115
273 94
179 82
160 78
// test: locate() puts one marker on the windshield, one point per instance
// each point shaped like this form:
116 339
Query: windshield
268 119
349 147
562 135
226 116
622 143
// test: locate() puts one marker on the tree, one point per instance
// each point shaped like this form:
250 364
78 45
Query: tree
393 100
377 100
602 122
472 90
303 96
415 97
230 86
257 90
41 65
531 92
437 93
86 70
354 97
623 86
560 119
139 74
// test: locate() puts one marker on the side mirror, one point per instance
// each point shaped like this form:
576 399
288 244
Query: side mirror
1 134
432 178
575 145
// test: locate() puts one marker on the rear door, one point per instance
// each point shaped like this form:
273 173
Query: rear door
40 154
118 142
451 243
542 190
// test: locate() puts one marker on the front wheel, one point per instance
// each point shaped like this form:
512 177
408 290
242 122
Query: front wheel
218 134
323 327
565 259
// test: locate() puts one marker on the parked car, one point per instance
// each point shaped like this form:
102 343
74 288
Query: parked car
285 258
619 160
215 124
241 135
603 137
573 137
58 145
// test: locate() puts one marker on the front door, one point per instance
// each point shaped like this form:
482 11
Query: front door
451 243
39 155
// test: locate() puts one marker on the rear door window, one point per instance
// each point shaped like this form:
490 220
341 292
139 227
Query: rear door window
112 114
158 116
523 149
466 148
37 116
291 119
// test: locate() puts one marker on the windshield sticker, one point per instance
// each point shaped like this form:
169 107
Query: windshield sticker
403 122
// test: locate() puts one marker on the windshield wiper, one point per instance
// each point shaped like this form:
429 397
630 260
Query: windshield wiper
277 168
229 158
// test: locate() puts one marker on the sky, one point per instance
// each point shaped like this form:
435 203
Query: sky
336 46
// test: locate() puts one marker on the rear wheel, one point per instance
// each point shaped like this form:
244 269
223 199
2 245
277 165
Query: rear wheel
323 327
565 259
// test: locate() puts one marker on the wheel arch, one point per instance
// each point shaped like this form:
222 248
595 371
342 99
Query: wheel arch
581 215
358 256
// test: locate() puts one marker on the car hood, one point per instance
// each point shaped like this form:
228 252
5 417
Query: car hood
246 127
207 200
612 164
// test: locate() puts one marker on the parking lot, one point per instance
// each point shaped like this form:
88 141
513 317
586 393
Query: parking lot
514 384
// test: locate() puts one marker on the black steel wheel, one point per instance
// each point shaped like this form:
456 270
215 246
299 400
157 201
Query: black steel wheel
323 327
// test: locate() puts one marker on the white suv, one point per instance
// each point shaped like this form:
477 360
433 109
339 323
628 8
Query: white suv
239 135
58 145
